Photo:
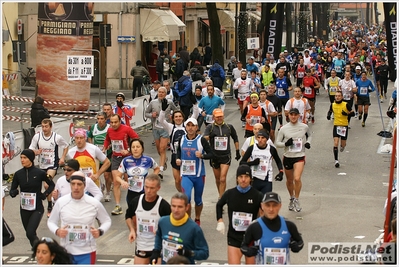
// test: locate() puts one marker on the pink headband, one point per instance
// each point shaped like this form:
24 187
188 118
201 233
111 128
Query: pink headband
80 131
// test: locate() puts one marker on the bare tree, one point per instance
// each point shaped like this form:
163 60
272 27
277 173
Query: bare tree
288 22
216 39
242 33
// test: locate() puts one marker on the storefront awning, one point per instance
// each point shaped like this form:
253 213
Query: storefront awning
227 20
157 25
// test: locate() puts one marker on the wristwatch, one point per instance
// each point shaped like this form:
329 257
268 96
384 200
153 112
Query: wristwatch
101 231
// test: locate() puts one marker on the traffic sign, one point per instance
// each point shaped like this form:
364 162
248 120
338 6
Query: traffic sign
19 26
126 39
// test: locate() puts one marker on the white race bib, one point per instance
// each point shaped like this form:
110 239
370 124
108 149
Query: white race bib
28 201
188 167
88 171
146 227
117 146
136 183
363 90
169 250
78 234
241 220
260 170
209 118
341 130
280 92
254 120
220 143
308 90
275 256
296 146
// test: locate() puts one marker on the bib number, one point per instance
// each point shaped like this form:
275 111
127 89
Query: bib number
341 130
28 201
146 227
209 118
280 91
363 90
169 250
188 167
78 234
254 120
220 143
275 256
260 170
87 171
241 220
296 146
136 183
308 90
117 146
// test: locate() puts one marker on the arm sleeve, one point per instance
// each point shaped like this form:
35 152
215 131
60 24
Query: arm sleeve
207 149
107 140
295 235
233 134
133 134
50 184
253 232
93 189
166 125
244 113
308 136
103 217
276 157
220 204
280 139
201 251
148 110
132 206
164 208
247 155
52 221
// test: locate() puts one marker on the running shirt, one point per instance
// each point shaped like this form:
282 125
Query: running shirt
119 139
245 88
191 165
332 85
346 88
255 115
339 119
364 87
98 135
282 87
87 159
264 168
269 108
126 113
49 157
137 170
308 84
300 71
301 104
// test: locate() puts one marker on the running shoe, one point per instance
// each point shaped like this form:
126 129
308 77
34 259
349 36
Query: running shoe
360 116
291 205
363 124
336 164
197 221
160 176
356 114
342 149
117 210
165 165
107 197
297 206
312 119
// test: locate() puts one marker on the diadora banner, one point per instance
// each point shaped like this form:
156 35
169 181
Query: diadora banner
391 26
274 28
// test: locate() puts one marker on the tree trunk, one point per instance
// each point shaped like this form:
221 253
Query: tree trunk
376 13
368 14
261 27
216 39
303 18
288 22
242 33
315 15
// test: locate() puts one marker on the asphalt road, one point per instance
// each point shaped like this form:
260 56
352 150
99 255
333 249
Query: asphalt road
339 204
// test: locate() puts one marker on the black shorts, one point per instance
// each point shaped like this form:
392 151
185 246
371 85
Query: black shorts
363 100
274 123
335 133
289 162
115 162
215 163
311 99
234 242
142 253
173 162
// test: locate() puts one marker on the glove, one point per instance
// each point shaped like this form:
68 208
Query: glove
279 176
329 115
238 155
42 196
307 145
289 142
14 193
295 247
119 104
254 162
164 104
250 251
344 113
154 256
185 252
351 114
220 227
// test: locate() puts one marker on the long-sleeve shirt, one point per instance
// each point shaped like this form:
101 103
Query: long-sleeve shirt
300 133
119 139
64 188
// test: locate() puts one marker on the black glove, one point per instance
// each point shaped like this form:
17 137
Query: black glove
289 142
351 114
329 115
254 162
250 251
279 176
14 193
295 247
164 104
344 113
42 196
307 145
119 104
185 252
238 155
154 256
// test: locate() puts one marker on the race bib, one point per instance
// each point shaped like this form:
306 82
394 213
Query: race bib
308 90
254 120
169 249
241 220
158 124
78 234
209 118
275 256
260 170
221 143
88 171
301 74
347 96
337 68
333 89
296 146
28 201
280 92
117 146
363 90
188 167
146 227
46 160
341 130
242 97
136 183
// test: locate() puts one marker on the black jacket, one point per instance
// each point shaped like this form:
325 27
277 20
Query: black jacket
38 113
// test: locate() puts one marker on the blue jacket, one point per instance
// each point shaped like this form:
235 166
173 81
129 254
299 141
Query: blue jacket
216 72
183 90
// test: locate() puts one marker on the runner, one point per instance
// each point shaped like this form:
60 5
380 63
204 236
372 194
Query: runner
142 218
117 139
271 96
243 202
136 166
209 103
218 134
253 114
348 88
272 233
310 85
259 156
269 109
192 151
29 179
283 85
295 136
299 102
77 213
177 234
46 144
123 110
363 96
244 86
341 111
331 85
